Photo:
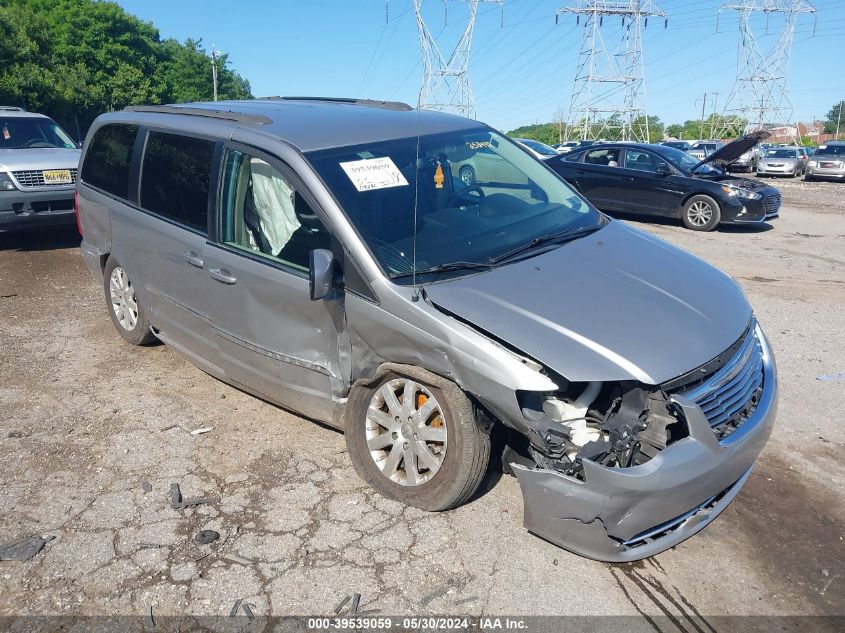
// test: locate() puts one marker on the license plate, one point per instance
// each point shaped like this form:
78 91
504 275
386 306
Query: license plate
57 177
827 165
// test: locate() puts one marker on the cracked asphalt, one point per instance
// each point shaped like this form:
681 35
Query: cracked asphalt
87 421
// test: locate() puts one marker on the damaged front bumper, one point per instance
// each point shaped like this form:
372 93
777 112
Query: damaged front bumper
626 514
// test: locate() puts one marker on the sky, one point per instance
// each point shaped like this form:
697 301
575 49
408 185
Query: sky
522 63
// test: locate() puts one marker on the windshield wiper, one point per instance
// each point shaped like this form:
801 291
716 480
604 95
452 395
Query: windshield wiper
568 235
440 268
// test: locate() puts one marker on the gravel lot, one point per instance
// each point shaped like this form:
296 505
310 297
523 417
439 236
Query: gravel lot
86 421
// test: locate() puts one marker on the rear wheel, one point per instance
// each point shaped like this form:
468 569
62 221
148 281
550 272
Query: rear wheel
701 213
417 443
467 175
127 315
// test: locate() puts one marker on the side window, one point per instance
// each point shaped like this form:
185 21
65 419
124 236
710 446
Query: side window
605 157
640 160
573 157
175 178
107 161
263 213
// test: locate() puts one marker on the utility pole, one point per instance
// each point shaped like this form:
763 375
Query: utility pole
445 84
609 88
701 124
839 118
214 70
760 93
713 119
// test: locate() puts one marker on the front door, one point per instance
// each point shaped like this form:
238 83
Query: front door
650 191
273 339
601 180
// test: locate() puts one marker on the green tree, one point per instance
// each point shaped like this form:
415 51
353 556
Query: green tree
835 117
676 130
74 59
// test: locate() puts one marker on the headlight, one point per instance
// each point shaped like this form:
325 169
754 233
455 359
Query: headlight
812 163
739 192
6 183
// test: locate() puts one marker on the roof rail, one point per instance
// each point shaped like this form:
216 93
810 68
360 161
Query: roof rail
12 108
373 103
227 115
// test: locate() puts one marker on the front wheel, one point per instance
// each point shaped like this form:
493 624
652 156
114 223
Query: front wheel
416 443
701 213
127 314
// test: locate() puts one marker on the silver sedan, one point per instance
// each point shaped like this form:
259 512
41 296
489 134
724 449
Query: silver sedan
781 161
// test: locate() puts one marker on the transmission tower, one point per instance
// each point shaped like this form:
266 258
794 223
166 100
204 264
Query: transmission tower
445 84
760 94
608 96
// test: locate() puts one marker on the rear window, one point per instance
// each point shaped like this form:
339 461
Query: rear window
107 161
175 178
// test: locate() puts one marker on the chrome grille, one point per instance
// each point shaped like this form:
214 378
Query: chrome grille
771 203
730 395
35 178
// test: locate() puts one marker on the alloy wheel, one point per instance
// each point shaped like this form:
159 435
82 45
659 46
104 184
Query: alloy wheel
700 213
123 301
406 432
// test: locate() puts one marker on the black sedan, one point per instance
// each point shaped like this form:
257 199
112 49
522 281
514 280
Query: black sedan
663 181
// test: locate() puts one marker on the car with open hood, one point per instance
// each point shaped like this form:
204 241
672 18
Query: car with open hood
38 163
322 255
656 180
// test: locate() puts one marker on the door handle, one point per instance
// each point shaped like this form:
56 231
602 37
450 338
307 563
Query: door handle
193 259
222 275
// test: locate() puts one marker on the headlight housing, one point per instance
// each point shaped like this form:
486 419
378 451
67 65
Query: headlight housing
6 183
739 192
811 163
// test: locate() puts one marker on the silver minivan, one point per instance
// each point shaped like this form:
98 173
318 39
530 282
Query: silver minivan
325 255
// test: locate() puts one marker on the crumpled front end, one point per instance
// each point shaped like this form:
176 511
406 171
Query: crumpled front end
599 507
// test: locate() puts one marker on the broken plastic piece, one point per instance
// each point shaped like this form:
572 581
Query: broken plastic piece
204 537
235 608
178 503
248 611
25 549
341 604
206 429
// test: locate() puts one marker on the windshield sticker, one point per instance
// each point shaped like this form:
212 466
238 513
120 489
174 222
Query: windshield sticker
439 178
374 173
822 146
479 144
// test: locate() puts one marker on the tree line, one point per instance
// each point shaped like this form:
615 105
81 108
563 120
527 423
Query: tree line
75 59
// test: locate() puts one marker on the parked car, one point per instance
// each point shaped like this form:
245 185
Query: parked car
782 161
748 161
663 181
702 149
684 146
321 258
538 149
38 162
828 161
486 166
568 146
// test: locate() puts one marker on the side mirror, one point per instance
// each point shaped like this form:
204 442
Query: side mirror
320 272
663 170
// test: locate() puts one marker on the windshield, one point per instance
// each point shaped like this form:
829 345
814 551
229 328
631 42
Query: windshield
478 196
685 162
32 132
830 150
781 153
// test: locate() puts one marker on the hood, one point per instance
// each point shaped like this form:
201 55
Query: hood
618 304
40 158
730 152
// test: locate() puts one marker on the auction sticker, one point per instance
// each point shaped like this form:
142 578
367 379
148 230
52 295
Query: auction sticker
374 173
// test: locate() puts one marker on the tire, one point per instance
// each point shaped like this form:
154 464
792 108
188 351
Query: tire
127 314
701 213
808 177
467 175
372 437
